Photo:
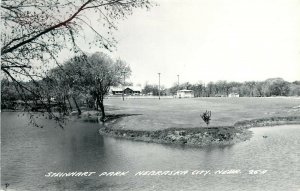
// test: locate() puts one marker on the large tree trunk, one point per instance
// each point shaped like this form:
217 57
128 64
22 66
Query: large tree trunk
102 111
78 109
101 105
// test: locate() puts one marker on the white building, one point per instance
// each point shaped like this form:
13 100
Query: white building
185 93
233 95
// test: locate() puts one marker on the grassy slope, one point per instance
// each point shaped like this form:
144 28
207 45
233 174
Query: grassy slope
185 113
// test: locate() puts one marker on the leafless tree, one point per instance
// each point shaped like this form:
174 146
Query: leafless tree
34 32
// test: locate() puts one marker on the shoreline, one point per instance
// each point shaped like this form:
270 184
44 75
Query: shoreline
194 137
198 136
268 122
190 136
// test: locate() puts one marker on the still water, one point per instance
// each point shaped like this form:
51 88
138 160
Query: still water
29 153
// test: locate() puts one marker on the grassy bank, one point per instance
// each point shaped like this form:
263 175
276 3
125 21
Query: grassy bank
184 113
178 121
268 122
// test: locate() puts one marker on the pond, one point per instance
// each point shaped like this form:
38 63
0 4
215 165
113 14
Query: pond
29 153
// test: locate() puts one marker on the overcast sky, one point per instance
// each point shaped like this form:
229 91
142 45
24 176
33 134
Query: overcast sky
211 40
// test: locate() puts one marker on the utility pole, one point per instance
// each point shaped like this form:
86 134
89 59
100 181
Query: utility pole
177 85
158 85
177 82
123 85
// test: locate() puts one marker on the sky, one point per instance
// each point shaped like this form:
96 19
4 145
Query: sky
211 40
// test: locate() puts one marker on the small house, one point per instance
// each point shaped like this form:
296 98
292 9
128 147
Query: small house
185 93
233 95
128 90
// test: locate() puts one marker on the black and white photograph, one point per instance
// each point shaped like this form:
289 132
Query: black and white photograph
150 95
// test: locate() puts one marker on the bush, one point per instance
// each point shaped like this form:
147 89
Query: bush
206 117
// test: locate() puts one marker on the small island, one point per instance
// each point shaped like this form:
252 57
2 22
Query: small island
164 122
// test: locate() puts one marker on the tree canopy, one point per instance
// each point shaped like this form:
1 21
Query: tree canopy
89 76
34 32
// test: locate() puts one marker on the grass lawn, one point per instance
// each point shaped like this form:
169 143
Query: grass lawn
185 113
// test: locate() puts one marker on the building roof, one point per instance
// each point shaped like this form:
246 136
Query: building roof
185 90
116 89
134 88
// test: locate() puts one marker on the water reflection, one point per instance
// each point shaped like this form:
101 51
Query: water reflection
29 153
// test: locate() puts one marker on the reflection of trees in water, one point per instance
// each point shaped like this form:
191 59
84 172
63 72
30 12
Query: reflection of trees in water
85 146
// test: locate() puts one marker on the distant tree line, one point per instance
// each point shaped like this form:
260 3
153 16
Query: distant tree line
83 82
267 88
150 89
